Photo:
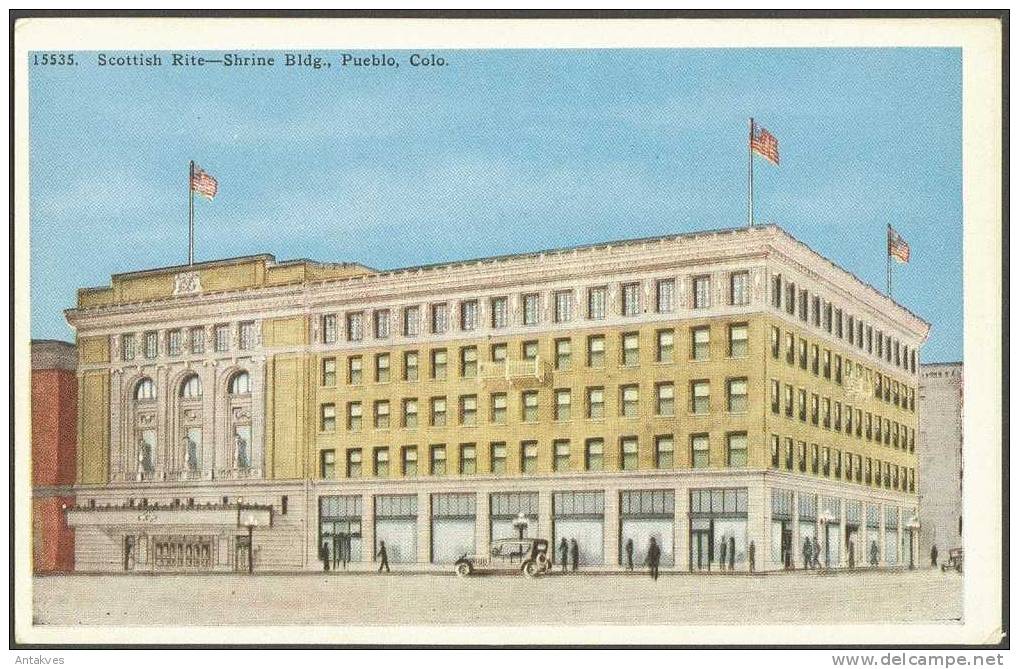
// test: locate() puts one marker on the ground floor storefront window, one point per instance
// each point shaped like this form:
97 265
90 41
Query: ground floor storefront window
718 528
809 544
454 516
782 528
873 535
646 515
831 525
506 511
396 525
892 536
579 517
339 530
853 534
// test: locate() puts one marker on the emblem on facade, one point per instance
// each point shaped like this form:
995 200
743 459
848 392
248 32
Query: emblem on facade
147 517
186 283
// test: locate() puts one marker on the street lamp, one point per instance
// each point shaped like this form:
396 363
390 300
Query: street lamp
913 524
249 518
520 523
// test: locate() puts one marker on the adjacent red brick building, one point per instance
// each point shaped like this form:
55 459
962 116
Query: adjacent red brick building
54 453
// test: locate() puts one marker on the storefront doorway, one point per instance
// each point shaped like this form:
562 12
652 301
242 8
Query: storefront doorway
700 545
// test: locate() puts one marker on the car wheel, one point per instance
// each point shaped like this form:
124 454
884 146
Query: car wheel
531 569
463 569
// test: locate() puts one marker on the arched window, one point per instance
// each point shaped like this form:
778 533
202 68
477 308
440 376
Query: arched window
191 388
145 390
240 384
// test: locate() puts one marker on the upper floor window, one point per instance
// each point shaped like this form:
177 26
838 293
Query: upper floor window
631 299
145 389
174 342
411 321
776 291
666 340
701 292
630 349
532 302
151 344
240 384
222 335
191 388
738 340
355 326
382 324
563 306
197 340
440 318
247 335
329 329
596 351
700 342
329 371
739 288
665 296
500 312
469 315
596 300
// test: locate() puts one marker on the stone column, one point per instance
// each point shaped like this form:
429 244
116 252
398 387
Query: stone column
424 528
759 525
482 522
257 446
681 529
610 529
119 452
367 528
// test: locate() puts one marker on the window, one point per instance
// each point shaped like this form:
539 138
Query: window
469 362
563 306
327 464
838 369
803 353
631 299
191 389
739 288
803 305
528 457
438 460
630 349
127 351
700 397
666 343
498 407
328 371
739 341
562 354
788 448
701 292
776 291
498 353
596 299
469 315
826 461
562 404
410 366
532 307
382 368
665 399
699 453
838 323
776 397
594 454
381 414
197 340
354 370
247 335
826 364
664 452
814 408
815 311
240 384
788 401
174 342
354 463
827 317
628 448
815 458
700 343
468 459
815 355
145 390
826 413
529 406
410 461
440 318
381 319
790 348
381 463
837 461
596 351
411 323
498 457
736 449
500 312
737 395
665 296
438 412
468 409
776 456
329 333
327 421
790 297
151 344
355 326
529 351
596 402
629 401
561 450
410 412
439 363
801 456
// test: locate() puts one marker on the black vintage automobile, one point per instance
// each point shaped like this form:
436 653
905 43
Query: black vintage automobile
525 556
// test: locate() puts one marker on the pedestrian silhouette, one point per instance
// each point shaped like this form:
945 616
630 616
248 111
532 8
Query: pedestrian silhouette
851 549
654 554
750 554
816 551
807 549
873 553
383 556
629 554
564 553
934 555
574 554
725 547
323 554
732 553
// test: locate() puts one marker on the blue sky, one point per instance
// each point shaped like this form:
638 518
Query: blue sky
499 152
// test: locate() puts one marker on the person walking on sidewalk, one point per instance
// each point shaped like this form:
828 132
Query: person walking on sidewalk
750 556
564 554
807 561
724 559
383 557
934 556
732 553
629 555
574 554
654 555
873 553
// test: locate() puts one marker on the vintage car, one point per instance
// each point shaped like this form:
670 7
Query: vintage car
525 556
954 560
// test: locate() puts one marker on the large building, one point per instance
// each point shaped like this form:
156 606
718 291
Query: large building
714 389
941 463
54 434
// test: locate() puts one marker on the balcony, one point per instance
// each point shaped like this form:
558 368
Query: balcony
515 373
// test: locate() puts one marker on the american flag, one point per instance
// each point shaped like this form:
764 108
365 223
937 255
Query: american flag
897 246
203 183
764 143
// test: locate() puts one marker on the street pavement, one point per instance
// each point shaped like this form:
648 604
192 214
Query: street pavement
439 599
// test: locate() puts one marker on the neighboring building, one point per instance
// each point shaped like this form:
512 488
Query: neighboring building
940 458
54 432
730 385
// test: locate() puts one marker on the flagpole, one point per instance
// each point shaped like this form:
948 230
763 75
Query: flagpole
888 259
750 175
191 213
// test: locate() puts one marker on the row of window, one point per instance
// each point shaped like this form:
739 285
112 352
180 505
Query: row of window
834 463
562 302
629 405
190 387
498 354
836 416
851 375
463 459
852 329
187 340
